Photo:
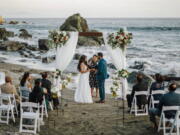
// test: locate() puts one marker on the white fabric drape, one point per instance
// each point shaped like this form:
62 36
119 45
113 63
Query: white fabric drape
65 54
119 60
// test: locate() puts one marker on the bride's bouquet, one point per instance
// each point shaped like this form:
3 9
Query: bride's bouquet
119 39
58 38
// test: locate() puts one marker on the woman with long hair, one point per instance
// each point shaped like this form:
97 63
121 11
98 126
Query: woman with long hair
83 92
25 81
25 86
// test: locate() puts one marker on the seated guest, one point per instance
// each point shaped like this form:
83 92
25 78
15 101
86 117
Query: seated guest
9 88
37 93
25 84
139 86
45 83
169 99
158 85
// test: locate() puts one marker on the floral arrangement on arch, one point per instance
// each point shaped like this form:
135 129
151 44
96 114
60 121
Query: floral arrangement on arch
116 81
119 39
58 38
123 73
57 73
115 87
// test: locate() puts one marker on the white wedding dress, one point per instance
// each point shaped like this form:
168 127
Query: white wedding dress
83 92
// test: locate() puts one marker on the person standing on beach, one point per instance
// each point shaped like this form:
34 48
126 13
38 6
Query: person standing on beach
92 76
101 77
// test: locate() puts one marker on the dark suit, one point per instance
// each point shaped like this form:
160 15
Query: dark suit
101 77
141 100
169 99
47 84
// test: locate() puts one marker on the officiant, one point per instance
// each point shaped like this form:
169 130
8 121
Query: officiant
92 76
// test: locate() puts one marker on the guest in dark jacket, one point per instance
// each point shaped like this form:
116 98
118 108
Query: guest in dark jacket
139 86
37 93
169 99
45 83
158 85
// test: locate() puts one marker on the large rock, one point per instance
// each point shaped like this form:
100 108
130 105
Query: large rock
75 23
4 34
111 66
13 22
78 23
132 78
48 59
90 41
43 44
24 34
77 56
12 46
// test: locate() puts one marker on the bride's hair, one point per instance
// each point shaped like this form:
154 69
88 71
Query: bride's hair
82 60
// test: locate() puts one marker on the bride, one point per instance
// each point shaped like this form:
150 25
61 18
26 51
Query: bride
83 92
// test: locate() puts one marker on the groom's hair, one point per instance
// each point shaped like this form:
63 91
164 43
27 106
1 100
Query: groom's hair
100 54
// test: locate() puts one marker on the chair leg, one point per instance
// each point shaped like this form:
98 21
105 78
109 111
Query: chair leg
50 104
35 125
7 120
20 128
160 122
132 105
12 114
0 115
164 126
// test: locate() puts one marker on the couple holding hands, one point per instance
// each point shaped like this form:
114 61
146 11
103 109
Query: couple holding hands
92 75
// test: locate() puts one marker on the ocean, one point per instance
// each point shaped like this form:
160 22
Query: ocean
156 42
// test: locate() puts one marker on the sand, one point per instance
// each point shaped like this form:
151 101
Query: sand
81 119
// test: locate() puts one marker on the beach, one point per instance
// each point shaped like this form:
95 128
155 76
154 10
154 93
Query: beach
24 47
81 119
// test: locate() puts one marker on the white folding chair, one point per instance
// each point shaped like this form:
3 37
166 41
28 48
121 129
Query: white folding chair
13 101
164 120
30 113
176 124
154 102
134 107
6 107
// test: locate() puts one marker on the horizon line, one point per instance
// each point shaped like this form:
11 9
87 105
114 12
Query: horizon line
93 17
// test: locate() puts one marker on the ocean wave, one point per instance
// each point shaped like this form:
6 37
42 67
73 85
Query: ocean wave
153 28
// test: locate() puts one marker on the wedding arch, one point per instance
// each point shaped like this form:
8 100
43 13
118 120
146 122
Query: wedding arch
65 53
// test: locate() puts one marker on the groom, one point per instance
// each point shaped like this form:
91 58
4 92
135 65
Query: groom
101 77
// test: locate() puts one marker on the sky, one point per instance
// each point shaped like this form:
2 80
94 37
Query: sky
89 8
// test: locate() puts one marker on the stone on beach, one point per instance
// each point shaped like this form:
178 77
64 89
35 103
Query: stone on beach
48 59
78 23
43 44
132 78
11 46
24 34
4 34
75 23
13 22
